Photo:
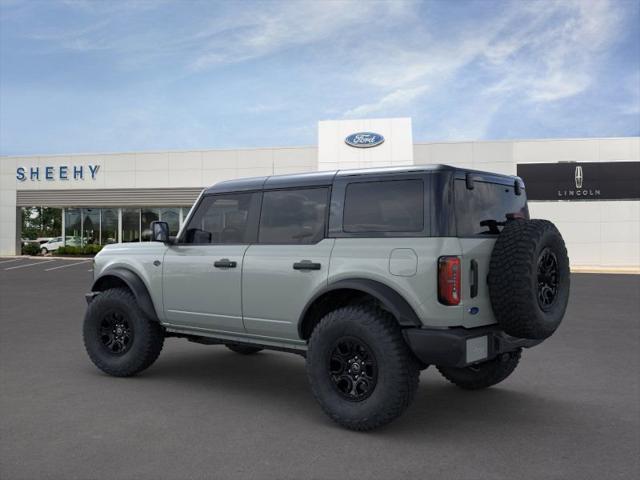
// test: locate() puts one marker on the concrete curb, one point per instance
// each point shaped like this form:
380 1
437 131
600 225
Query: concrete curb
609 270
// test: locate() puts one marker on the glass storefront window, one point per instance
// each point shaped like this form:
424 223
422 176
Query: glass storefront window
148 215
172 217
90 226
72 226
109 226
130 224
86 226
41 222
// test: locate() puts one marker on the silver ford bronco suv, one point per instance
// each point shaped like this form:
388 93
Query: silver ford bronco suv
371 275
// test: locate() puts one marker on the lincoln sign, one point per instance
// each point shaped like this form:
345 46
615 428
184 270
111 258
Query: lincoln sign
581 180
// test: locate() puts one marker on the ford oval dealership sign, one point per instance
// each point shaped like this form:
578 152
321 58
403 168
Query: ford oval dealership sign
364 139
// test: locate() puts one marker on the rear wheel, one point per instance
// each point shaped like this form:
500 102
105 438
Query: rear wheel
44 251
118 337
243 349
360 369
485 374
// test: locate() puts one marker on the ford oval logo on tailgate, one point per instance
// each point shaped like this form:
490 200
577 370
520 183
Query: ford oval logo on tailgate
364 139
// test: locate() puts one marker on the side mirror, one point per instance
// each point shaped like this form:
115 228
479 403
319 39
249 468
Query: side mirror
160 232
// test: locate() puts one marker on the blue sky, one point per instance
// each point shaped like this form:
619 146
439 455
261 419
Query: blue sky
103 76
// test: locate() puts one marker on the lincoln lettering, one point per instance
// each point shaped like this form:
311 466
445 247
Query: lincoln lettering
578 193
62 172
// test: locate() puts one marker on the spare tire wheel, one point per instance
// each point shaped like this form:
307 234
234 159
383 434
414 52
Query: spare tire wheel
529 278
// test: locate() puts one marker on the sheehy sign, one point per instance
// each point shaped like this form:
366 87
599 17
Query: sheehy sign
60 172
581 180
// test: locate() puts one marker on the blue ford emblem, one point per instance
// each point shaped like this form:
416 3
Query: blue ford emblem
364 139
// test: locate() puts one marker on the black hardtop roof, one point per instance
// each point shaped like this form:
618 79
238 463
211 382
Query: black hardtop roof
311 179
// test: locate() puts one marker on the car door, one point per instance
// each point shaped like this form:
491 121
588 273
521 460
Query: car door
202 272
289 263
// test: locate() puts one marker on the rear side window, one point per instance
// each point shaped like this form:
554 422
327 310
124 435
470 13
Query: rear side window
293 216
223 219
385 206
483 210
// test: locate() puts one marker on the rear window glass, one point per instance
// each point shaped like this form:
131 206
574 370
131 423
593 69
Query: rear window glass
483 210
293 216
386 206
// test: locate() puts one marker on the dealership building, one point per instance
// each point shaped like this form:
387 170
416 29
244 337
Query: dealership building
589 187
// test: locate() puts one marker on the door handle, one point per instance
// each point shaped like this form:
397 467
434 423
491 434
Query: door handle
306 265
225 263
474 279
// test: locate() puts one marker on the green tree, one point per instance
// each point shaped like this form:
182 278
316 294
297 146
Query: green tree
41 222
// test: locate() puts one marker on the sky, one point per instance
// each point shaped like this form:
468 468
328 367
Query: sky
82 76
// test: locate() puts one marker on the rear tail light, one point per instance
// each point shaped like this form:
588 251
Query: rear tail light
449 280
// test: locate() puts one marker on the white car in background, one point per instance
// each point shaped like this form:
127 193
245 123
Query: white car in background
56 242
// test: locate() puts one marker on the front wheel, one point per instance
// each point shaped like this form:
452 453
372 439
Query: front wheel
483 375
361 371
118 336
44 251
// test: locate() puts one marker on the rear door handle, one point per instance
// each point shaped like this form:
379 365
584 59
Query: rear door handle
306 265
474 279
225 263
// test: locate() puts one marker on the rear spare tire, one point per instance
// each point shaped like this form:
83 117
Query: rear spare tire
529 278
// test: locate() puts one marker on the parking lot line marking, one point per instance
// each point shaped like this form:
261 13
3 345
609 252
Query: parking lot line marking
9 261
30 264
65 266
90 270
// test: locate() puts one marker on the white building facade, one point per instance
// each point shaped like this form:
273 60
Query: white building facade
588 187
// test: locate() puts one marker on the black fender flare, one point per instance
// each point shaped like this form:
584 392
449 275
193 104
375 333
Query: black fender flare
135 284
392 300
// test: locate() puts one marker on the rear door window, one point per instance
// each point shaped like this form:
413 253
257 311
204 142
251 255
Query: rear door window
384 206
483 210
296 216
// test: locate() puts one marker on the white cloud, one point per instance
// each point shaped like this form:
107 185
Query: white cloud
536 51
552 56
279 26
398 98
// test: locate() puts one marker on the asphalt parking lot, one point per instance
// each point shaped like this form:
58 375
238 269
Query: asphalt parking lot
571 410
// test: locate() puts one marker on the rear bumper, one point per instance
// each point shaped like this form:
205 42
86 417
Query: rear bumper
460 347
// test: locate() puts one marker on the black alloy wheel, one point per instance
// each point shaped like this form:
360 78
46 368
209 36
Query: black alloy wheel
116 332
547 278
353 369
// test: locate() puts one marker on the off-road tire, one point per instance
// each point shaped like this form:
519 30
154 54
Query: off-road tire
397 370
147 337
484 374
514 278
243 349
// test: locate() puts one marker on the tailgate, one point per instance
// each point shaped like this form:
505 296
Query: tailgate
476 255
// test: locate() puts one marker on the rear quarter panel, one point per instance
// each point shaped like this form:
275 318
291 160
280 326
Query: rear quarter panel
371 258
